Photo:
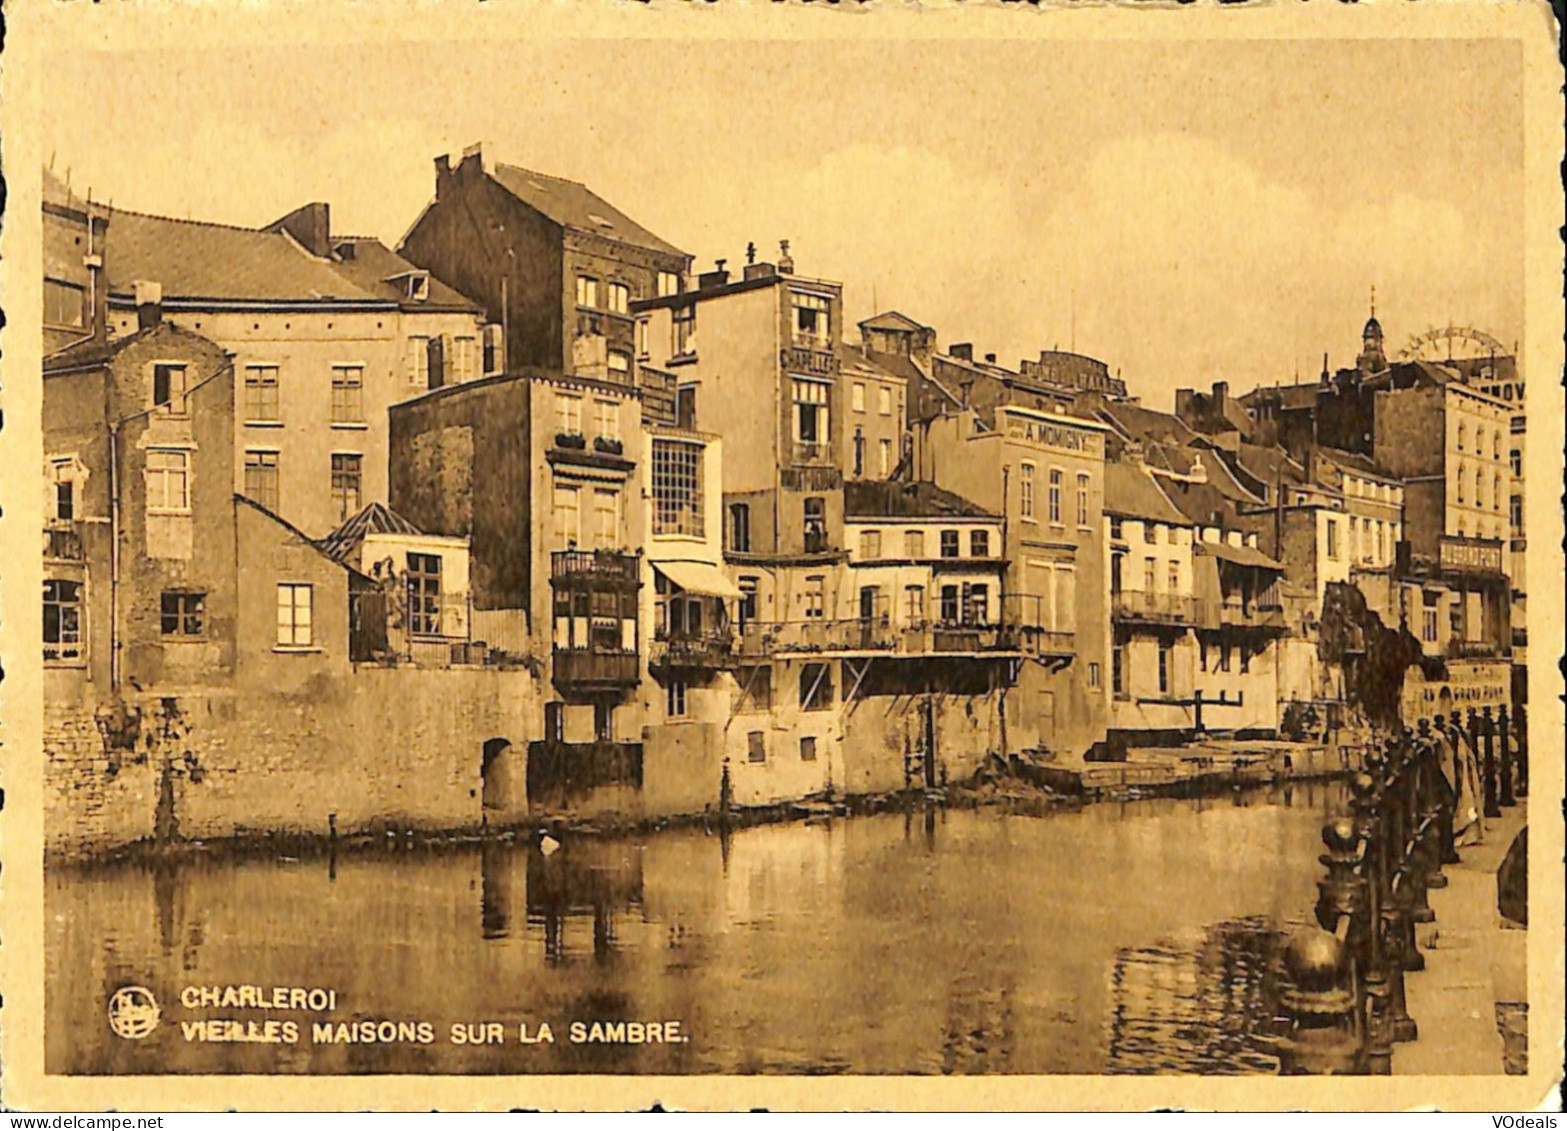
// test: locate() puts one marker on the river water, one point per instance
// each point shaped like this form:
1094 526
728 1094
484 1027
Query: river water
1135 937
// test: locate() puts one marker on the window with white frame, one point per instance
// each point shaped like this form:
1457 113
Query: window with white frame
914 544
168 481
668 284
63 620
884 400
261 393
914 604
348 394
1055 496
261 477
465 354
418 360
857 396
182 613
810 318
676 699
1026 490
683 329
1082 500
295 613
979 543
811 413
677 488
815 597
424 594
619 298
870 543
886 458
587 291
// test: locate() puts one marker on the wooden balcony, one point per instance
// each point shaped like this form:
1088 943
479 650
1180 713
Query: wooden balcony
693 652
584 669
63 541
595 569
1133 606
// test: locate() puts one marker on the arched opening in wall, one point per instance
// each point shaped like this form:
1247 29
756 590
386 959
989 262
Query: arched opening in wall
495 773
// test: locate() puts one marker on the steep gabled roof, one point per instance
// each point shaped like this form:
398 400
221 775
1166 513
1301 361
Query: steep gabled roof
200 260
376 518
1131 492
894 499
574 205
375 267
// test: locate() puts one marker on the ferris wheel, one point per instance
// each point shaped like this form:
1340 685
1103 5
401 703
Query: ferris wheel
1450 342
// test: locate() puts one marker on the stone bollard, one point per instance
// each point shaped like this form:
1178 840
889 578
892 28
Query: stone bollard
1506 751
1446 757
1339 892
1487 731
1370 953
1322 1038
1399 931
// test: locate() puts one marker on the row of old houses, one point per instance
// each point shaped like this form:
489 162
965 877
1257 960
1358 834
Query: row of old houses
526 517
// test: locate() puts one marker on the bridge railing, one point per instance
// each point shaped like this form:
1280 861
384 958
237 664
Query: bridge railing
1345 1000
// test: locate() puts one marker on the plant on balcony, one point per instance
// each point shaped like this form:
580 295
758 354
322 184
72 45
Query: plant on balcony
608 445
572 440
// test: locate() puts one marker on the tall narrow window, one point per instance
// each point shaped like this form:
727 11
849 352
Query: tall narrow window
883 400
1332 539
347 483
886 458
677 488
424 594
951 607
295 609
740 527
683 323
859 452
1164 668
815 597
746 610
914 604
261 393
168 481
979 543
63 620
606 419
348 394
1025 498
568 414
619 298
1055 496
857 396
914 544
568 521
1175 577
870 544
606 517
418 360
587 291
815 513
815 687
811 423
756 746
1082 500
676 704
465 355
169 388
1118 669
810 318
261 478
668 284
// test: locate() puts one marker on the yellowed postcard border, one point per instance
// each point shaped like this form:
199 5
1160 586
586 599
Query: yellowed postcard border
38 27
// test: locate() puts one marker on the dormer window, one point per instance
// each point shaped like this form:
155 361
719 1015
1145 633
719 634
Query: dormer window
415 285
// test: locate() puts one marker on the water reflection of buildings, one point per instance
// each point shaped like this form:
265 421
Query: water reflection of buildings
583 883
1196 1003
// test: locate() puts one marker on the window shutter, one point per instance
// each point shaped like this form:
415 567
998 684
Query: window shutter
437 357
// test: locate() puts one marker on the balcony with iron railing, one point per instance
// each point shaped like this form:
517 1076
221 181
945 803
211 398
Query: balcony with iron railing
1133 605
588 669
63 541
1457 649
763 639
595 569
711 650
1235 612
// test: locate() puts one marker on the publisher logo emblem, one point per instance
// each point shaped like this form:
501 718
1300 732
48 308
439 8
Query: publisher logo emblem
133 1012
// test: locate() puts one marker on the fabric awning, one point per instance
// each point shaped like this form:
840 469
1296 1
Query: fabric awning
699 577
1240 555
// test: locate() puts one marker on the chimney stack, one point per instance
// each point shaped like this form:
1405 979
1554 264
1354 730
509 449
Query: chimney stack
149 304
785 260
963 351
714 278
990 359
311 227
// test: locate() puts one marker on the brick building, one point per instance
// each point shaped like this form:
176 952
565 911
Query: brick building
553 262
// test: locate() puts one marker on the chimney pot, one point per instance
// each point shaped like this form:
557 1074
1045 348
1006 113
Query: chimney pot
990 358
149 303
962 350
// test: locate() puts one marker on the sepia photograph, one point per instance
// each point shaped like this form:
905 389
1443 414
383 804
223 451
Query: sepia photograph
836 547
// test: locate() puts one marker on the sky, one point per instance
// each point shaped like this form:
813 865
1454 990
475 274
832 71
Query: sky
1185 211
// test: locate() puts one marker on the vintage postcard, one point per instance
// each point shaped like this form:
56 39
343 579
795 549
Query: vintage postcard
924 556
